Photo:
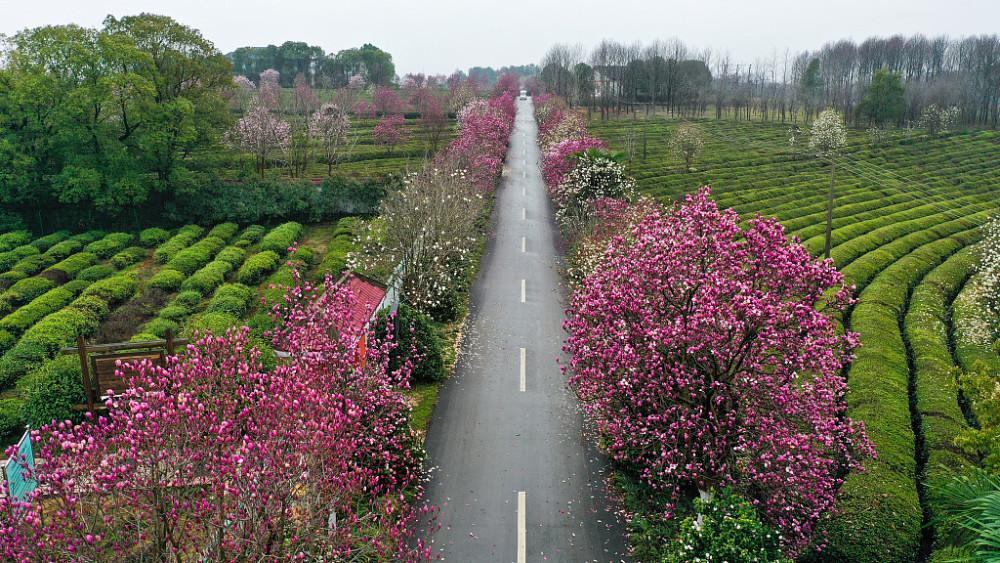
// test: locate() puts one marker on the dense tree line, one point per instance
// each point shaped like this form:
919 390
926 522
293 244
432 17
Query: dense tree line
108 117
940 71
326 70
487 76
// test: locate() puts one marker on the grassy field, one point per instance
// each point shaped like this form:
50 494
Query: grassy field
905 229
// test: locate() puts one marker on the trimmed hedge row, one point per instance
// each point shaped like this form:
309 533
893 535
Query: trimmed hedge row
257 266
23 292
178 242
63 249
167 280
42 341
927 332
48 241
109 245
74 264
232 254
881 517
225 231
11 257
233 299
96 272
280 238
129 256
153 237
250 236
15 324
196 256
13 239
205 280
335 260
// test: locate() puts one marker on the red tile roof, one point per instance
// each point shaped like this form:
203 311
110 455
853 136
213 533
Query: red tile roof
368 293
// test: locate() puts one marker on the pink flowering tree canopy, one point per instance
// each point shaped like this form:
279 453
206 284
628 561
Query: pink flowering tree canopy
260 134
214 458
330 125
710 358
390 131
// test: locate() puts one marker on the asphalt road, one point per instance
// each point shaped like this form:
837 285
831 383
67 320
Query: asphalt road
511 461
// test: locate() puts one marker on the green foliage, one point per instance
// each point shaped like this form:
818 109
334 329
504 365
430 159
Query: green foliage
884 100
50 392
48 241
224 231
188 299
129 256
109 245
281 238
153 237
75 264
257 266
14 239
972 501
96 272
16 323
11 257
335 260
114 290
175 313
418 341
216 322
234 255
167 280
250 236
730 531
205 280
196 256
234 299
11 418
159 327
178 242
63 249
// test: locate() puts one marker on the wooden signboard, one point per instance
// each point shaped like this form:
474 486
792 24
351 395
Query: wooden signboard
103 370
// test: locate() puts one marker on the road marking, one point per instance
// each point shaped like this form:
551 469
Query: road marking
524 244
523 285
524 213
524 374
524 190
522 529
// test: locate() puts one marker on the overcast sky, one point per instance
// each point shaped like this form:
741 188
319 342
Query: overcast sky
438 36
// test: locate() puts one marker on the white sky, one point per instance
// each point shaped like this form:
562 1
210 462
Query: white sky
439 36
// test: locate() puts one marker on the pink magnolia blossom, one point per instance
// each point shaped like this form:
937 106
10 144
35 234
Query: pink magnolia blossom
261 135
710 358
390 131
214 458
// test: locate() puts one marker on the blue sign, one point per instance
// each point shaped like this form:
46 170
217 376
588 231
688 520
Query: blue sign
17 469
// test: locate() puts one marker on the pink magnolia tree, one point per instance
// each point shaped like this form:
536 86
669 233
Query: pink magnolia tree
212 458
562 157
330 126
261 135
710 358
480 145
387 101
390 131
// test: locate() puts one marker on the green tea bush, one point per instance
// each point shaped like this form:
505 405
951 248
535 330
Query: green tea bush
257 266
232 254
50 393
14 239
11 257
205 280
75 264
280 238
234 299
109 245
63 249
166 251
129 256
224 231
250 236
167 280
96 272
159 327
153 237
11 418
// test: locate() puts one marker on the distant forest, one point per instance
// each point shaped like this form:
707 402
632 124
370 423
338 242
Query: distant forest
614 76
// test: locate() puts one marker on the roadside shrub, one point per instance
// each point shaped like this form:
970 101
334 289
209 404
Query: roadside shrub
257 266
167 280
50 393
129 256
94 273
153 237
232 254
417 341
225 231
280 238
